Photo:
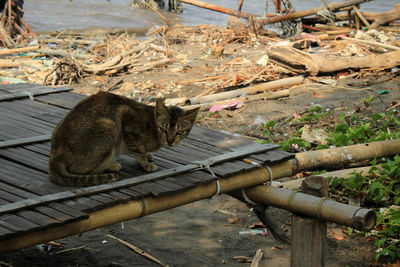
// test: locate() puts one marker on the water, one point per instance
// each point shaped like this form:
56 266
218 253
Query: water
44 15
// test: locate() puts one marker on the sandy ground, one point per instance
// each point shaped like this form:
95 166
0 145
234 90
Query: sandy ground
199 234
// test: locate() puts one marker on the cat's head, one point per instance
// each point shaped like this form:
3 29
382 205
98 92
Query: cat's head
173 123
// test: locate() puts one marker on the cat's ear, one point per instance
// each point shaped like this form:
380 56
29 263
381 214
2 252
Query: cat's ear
191 114
161 109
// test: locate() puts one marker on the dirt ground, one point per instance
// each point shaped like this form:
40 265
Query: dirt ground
199 234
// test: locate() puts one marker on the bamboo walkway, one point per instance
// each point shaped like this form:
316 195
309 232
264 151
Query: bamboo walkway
30 203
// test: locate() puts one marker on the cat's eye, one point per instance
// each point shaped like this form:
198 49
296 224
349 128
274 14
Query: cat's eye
162 129
181 132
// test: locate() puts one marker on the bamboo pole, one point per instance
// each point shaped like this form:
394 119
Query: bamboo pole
342 155
333 6
248 90
137 208
345 173
316 207
220 9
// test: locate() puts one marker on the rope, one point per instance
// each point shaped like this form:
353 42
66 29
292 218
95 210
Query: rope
206 164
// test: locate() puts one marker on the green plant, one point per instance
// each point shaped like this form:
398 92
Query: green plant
300 143
388 226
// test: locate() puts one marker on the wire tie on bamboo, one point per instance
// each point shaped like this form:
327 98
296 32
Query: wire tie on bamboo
206 164
270 175
290 198
318 207
30 95
246 199
144 208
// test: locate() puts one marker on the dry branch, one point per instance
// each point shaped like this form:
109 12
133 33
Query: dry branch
333 7
19 50
220 9
138 250
248 90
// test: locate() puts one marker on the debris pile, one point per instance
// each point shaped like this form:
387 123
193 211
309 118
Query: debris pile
212 59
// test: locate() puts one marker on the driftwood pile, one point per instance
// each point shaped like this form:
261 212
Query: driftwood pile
13 29
358 48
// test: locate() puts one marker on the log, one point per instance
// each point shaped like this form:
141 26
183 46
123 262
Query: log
220 9
303 62
248 90
333 7
387 17
308 238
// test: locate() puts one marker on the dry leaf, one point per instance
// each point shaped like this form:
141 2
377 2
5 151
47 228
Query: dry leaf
257 225
242 259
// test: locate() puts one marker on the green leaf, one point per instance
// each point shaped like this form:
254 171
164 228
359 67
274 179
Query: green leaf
269 124
342 116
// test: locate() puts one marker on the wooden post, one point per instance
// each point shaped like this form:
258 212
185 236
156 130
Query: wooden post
308 237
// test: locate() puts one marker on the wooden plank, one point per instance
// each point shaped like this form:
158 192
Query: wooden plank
134 194
62 100
55 214
131 181
104 200
38 218
12 227
156 189
21 223
25 141
16 191
181 181
20 87
145 192
20 176
67 209
27 158
34 109
170 185
4 202
90 204
9 196
34 93
120 195
43 150
5 231
16 116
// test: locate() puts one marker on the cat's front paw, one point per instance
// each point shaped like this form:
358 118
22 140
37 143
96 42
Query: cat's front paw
150 167
149 156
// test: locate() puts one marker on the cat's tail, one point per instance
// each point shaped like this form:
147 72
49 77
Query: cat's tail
59 175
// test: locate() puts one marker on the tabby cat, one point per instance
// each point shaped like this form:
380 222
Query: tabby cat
102 126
